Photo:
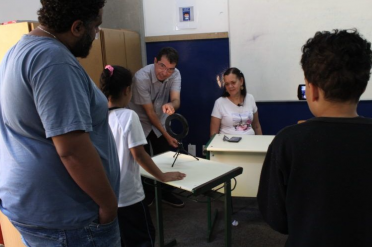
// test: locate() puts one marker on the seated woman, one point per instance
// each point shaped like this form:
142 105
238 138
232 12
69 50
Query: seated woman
235 112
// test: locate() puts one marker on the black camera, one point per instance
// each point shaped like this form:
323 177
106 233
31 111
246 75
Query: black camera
301 92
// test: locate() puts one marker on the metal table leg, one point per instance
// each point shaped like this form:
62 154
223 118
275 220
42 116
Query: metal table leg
211 222
159 217
228 213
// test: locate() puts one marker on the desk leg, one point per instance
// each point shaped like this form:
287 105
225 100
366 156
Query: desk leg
159 217
159 213
211 222
228 213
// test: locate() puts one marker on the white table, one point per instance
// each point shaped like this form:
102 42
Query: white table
201 176
249 153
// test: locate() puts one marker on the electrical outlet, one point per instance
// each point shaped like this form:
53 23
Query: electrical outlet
191 149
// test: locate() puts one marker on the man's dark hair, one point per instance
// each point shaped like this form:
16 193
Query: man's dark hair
112 85
170 53
339 63
240 76
59 15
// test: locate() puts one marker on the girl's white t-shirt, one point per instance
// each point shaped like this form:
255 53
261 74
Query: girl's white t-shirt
235 119
128 133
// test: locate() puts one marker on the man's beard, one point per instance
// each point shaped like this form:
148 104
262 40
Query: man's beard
82 47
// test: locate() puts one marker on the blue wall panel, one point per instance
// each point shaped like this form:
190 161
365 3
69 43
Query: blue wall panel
276 115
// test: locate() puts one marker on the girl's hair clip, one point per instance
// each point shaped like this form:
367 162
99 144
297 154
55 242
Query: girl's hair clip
110 68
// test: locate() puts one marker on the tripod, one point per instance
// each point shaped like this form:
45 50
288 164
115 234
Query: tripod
179 149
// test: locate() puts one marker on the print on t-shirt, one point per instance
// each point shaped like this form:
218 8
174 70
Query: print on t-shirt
242 121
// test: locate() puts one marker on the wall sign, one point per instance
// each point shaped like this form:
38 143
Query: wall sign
186 15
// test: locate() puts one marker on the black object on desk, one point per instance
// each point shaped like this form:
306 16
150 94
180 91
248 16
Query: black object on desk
180 136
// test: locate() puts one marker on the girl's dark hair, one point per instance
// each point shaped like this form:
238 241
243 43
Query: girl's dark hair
113 85
240 76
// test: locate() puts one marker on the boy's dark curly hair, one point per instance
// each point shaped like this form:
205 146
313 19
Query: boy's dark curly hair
339 63
112 85
60 14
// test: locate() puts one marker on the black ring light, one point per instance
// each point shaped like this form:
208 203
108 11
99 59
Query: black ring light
185 126
179 137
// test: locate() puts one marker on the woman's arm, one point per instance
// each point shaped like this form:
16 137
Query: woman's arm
256 124
215 126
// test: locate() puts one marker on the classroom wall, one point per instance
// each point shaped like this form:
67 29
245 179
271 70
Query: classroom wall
266 38
245 18
126 14
19 10
161 17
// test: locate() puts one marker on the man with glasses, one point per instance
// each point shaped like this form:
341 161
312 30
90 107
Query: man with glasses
156 95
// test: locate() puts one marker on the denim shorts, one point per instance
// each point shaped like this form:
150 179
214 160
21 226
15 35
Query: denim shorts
93 235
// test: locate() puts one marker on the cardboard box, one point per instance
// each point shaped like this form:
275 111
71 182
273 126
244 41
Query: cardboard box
133 50
93 63
114 46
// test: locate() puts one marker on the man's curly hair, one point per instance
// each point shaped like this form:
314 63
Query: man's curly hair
339 63
60 14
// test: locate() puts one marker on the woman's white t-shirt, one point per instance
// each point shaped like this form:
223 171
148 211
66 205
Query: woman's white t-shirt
235 119
128 133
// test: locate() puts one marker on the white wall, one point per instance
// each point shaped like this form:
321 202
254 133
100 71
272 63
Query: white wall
266 39
161 16
19 10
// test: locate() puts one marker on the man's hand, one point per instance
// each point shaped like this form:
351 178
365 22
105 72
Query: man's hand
171 141
107 215
172 176
168 108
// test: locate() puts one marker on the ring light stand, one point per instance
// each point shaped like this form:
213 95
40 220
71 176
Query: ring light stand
178 137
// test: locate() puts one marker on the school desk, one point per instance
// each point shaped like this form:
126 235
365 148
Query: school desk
201 176
248 153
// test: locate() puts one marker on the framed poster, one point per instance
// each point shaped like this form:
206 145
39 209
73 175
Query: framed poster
186 15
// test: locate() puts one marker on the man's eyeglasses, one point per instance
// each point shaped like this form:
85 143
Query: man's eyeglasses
164 68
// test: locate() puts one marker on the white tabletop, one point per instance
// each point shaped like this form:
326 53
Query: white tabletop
198 172
248 143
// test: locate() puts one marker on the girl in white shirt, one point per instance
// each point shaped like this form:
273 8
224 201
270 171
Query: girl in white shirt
235 112
136 228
